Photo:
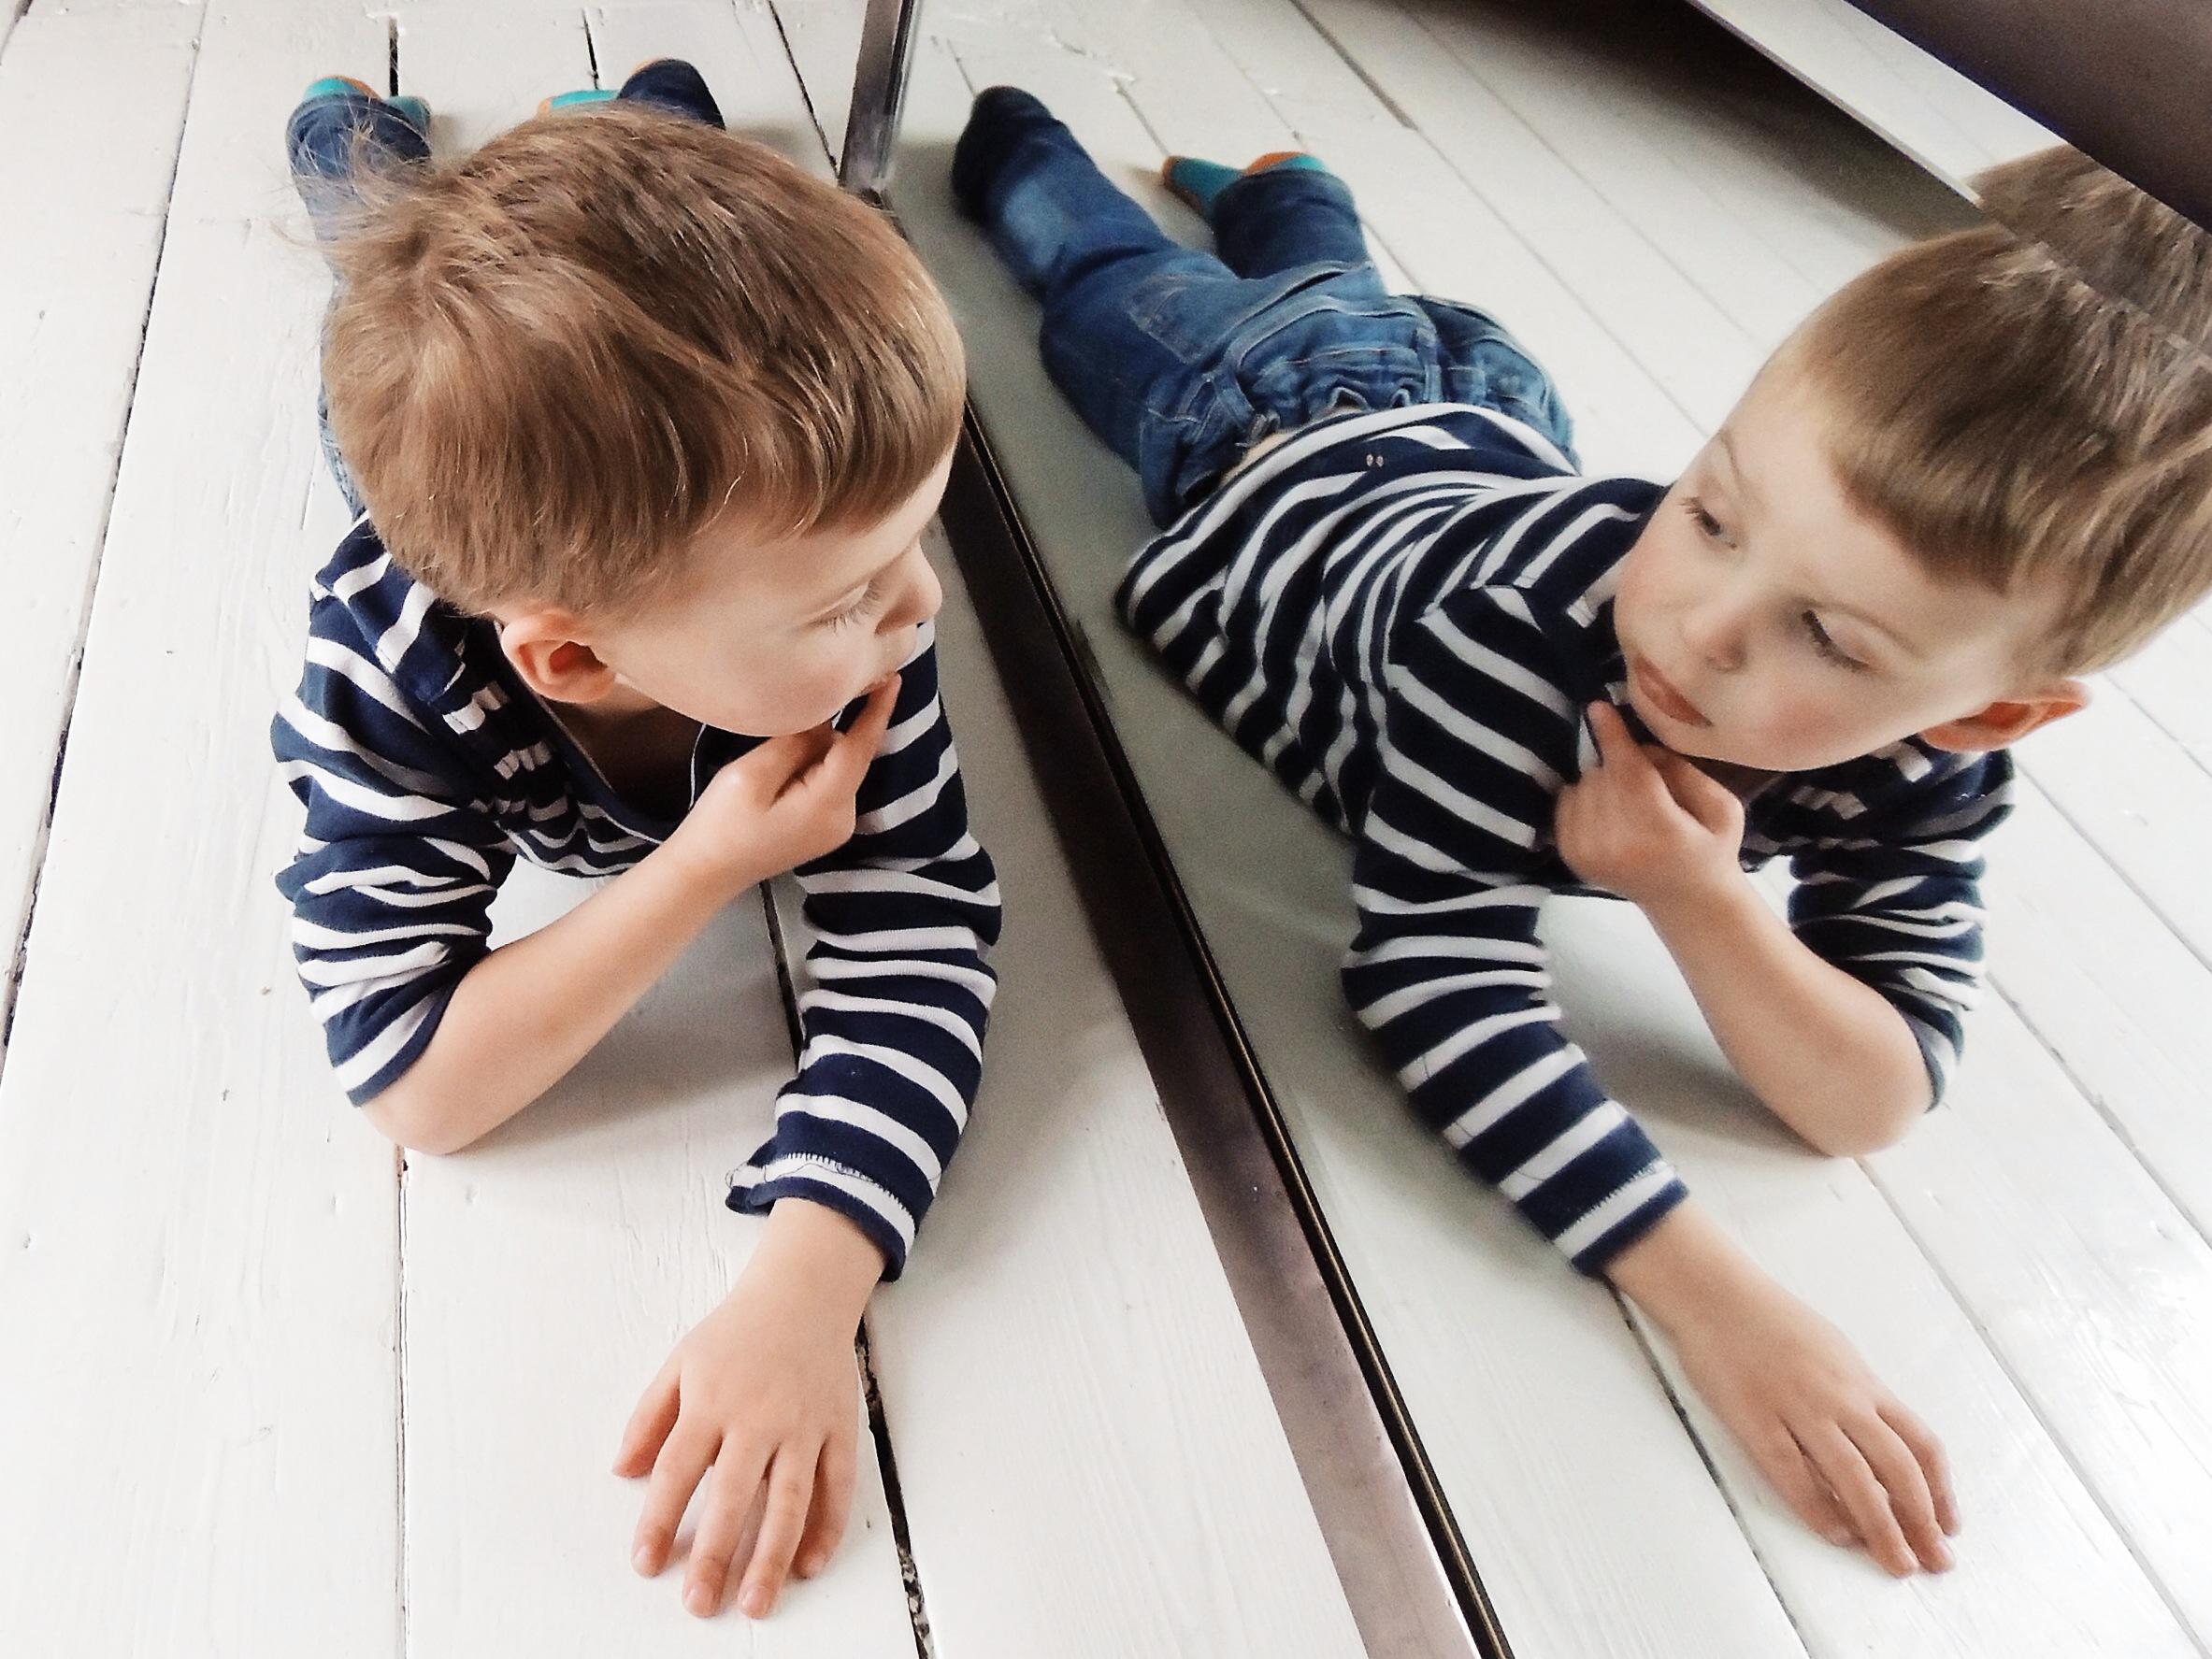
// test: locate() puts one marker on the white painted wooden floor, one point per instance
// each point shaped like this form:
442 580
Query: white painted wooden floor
264 1392
1653 207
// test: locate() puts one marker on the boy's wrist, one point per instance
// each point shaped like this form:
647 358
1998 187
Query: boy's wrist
1722 902
821 1256
1686 1268
702 862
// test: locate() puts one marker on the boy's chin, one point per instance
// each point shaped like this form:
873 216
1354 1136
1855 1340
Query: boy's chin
1703 746
1704 743
1714 747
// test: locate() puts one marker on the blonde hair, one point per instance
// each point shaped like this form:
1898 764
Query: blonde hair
2028 405
552 363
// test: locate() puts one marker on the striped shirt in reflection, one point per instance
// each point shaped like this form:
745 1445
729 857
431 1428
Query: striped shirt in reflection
1403 615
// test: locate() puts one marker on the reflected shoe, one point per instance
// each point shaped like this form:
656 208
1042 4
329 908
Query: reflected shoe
1000 117
1197 183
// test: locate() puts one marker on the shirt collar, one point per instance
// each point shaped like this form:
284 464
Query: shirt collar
430 649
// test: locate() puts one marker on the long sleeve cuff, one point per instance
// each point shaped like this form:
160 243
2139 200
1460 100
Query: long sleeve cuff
756 1187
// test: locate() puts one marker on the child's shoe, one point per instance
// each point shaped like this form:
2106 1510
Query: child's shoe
344 88
669 83
1197 183
674 84
997 122
589 95
341 129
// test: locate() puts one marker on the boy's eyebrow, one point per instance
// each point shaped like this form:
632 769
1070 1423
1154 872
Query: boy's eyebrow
1902 644
1735 464
1743 483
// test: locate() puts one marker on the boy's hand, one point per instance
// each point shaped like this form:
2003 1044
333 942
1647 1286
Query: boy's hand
789 800
763 1394
1645 822
1856 1465
1841 1448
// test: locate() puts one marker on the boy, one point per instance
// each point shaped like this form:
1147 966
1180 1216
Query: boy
1965 481
644 426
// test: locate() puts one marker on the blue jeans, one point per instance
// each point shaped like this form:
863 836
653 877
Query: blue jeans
333 140
1179 359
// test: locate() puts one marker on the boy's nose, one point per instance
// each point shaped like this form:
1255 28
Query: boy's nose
1715 637
918 601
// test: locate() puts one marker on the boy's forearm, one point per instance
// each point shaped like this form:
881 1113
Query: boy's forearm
1828 1055
1687 1265
525 1014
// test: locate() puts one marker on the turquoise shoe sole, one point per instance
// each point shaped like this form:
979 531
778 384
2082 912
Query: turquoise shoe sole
590 94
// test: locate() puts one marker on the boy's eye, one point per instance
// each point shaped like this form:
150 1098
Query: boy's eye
1825 644
1708 526
853 613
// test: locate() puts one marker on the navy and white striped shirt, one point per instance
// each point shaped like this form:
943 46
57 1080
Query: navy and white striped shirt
1404 615
427 767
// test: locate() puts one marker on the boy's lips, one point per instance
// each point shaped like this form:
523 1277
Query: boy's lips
1661 694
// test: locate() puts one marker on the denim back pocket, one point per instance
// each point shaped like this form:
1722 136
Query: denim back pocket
1481 364
1302 343
1203 316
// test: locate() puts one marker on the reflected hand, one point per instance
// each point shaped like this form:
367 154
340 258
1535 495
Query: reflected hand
1645 822
1856 1465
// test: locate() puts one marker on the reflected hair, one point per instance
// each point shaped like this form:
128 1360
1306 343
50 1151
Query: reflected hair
2027 405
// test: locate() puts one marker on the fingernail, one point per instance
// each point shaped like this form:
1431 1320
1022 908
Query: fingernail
813 1564
700 1599
642 1560
1944 1561
755 1602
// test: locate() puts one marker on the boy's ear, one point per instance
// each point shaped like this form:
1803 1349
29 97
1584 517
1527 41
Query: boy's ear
554 663
2009 721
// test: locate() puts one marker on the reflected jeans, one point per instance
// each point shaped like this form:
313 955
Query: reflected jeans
1179 359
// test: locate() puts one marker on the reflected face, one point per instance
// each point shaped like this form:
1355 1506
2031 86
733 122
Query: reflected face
1767 624
777 637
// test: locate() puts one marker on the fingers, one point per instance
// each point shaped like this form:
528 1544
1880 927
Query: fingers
1853 1480
650 1423
722 1524
781 762
865 733
1910 1500
1783 1462
833 1503
1614 743
783 1522
1928 1450
676 1473
1624 761
1705 798
849 761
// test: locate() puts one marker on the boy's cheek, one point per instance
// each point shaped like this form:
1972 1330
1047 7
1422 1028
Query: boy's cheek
1797 732
1646 580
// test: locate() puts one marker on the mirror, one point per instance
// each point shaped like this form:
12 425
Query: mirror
1651 206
